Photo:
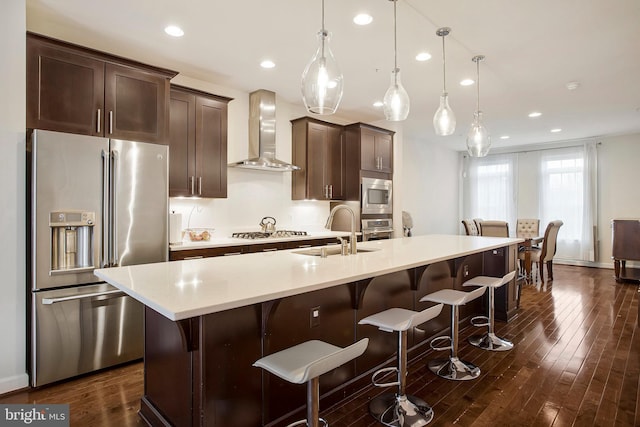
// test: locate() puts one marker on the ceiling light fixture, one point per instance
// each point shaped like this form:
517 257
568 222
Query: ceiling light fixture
467 82
396 99
267 63
505 137
423 56
556 130
572 85
174 31
362 19
322 80
535 114
478 138
444 120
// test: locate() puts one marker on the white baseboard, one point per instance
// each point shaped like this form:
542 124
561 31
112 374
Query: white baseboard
13 383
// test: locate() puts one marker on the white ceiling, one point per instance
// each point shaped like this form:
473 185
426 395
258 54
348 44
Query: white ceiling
532 50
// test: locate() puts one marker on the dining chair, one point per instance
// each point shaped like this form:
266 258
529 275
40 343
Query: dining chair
494 228
527 228
545 254
470 227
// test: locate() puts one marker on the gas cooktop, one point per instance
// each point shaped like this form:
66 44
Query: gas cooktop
263 235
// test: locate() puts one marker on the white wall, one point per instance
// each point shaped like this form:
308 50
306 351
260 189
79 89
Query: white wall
12 197
430 181
618 189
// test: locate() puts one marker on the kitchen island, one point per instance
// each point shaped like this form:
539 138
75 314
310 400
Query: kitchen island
207 320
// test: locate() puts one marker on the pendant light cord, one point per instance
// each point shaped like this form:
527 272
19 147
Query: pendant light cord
478 84
444 70
323 31
395 42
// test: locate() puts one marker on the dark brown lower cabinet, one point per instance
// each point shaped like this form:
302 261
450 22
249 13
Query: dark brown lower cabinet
199 371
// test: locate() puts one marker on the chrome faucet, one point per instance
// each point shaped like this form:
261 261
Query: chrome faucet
352 240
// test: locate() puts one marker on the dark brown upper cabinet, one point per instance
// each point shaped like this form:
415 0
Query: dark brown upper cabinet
375 147
318 149
197 144
79 90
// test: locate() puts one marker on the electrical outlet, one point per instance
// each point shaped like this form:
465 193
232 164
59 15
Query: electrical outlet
465 271
314 316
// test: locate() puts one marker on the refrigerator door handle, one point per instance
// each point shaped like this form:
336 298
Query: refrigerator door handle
114 208
106 215
116 293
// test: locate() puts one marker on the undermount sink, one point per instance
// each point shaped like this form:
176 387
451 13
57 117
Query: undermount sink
330 250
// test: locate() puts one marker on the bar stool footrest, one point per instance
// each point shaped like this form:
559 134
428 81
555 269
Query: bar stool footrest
400 411
382 372
305 422
479 321
434 343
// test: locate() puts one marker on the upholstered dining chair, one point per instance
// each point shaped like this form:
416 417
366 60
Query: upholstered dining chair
470 227
545 254
527 228
494 228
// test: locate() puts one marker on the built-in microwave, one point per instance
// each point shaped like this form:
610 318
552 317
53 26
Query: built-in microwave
376 196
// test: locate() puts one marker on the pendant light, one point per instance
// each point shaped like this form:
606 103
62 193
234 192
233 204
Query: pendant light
478 138
322 80
444 121
396 100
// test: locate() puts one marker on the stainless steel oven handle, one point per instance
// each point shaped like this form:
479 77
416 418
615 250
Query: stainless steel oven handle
116 293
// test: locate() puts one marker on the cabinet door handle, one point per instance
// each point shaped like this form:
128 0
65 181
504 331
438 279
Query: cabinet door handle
232 253
193 257
110 122
98 124
270 250
331 191
199 186
304 246
192 185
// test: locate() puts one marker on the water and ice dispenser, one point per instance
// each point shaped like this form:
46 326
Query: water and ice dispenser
71 240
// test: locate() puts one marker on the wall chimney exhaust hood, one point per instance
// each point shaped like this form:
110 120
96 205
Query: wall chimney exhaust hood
262 135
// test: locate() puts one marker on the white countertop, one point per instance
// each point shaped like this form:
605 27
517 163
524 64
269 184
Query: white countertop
216 241
183 289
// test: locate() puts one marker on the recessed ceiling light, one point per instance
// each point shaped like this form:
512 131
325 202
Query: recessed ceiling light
556 130
572 85
378 104
467 82
423 56
267 63
535 114
174 31
362 19
505 137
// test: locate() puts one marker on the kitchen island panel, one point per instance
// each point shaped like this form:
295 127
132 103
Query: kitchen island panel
288 322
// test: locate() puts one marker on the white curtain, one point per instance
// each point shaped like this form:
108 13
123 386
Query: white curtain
567 183
490 185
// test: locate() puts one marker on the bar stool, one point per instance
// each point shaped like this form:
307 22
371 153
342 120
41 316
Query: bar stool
305 362
453 368
399 409
489 340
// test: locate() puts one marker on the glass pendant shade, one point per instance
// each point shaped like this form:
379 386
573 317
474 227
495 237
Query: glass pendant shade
396 100
478 138
322 81
444 121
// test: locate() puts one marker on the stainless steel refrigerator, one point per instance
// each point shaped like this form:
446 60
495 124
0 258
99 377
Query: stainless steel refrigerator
94 203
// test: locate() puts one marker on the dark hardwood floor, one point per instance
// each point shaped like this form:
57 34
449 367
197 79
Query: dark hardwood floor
576 361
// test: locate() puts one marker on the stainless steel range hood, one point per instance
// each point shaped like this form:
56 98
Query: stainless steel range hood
262 135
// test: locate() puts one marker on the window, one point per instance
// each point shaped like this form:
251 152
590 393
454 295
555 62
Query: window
490 188
567 193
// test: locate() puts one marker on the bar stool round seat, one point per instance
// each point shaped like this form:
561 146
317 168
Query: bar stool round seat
453 368
489 340
304 363
399 409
